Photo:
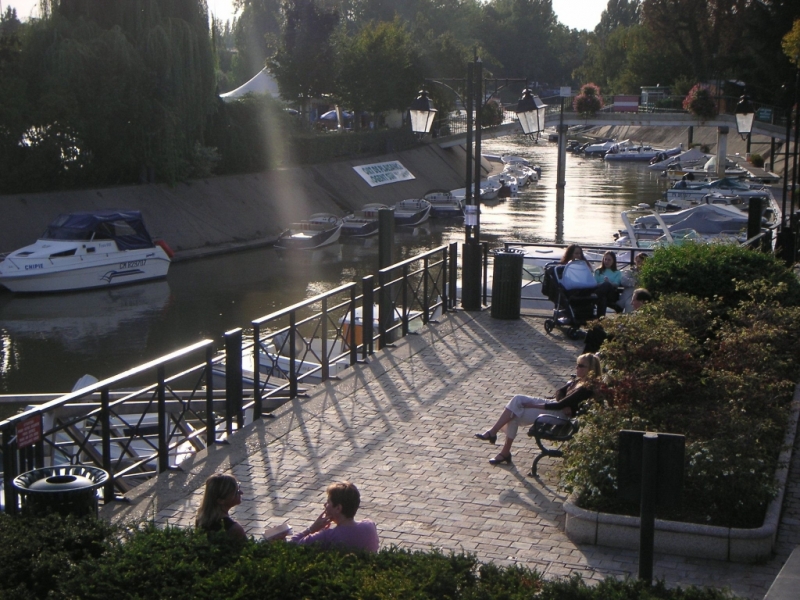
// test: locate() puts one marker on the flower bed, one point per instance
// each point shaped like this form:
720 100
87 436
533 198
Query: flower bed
715 360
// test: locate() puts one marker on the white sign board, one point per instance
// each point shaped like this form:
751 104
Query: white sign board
383 173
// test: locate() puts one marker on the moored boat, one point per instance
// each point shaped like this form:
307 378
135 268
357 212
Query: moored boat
320 229
444 205
87 250
411 212
364 222
631 153
689 193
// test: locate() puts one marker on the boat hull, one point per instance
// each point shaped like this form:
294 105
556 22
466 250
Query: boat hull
38 275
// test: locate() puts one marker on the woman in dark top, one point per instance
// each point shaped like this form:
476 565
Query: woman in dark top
523 410
222 494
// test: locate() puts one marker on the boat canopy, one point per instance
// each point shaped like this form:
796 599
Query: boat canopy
125 227
706 219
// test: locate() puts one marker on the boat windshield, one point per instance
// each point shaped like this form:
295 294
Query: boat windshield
124 227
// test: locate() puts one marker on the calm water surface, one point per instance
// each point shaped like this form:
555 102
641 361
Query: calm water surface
48 342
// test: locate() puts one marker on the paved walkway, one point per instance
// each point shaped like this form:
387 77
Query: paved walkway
401 428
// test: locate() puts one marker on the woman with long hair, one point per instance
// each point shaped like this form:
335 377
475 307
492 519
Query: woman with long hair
609 280
523 410
222 494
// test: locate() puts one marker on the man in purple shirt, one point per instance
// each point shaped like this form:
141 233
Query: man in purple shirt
340 509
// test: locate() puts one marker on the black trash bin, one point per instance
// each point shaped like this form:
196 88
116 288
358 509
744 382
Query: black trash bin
507 284
67 490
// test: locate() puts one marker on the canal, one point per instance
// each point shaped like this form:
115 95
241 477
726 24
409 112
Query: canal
48 342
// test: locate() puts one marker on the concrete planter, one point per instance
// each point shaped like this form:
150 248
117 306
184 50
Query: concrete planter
688 539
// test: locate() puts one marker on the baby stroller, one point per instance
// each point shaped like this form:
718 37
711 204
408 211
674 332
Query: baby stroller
571 289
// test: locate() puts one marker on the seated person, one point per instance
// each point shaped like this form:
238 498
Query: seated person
523 410
597 335
609 280
340 509
222 493
574 252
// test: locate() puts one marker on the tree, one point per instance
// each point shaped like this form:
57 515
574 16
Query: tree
791 44
256 32
305 62
380 69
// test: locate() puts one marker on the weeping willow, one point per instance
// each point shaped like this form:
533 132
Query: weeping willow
126 88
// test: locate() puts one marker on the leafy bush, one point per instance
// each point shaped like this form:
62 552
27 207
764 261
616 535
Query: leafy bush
718 369
757 160
713 270
491 114
91 560
38 553
700 102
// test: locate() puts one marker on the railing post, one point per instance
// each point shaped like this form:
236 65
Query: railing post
352 342
383 302
453 273
105 430
426 305
233 378
485 270
257 389
292 356
325 371
367 316
211 429
163 450
445 292
9 472
405 310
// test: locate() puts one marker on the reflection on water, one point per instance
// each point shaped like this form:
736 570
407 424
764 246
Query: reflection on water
48 342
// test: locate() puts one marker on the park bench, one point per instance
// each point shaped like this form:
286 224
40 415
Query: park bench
553 429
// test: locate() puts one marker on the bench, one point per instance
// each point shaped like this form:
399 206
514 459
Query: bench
549 428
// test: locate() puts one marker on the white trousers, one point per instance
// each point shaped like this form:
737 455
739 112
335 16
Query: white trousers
526 416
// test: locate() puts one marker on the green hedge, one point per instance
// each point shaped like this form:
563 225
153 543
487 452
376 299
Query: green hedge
68 558
716 362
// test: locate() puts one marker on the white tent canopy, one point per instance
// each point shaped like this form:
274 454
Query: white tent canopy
262 83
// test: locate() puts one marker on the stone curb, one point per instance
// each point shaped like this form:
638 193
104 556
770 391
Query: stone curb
690 539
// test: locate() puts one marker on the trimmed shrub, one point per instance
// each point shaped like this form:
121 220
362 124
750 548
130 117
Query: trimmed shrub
757 160
712 271
589 101
700 102
719 368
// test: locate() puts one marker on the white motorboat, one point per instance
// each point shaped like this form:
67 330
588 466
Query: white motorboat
411 212
632 153
364 222
709 170
599 148
444 205
691 158
489 191
87 250
689 193
320 229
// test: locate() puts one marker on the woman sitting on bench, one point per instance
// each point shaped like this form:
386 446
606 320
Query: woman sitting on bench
523 410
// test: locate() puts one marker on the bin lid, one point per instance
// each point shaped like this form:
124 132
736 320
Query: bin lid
61 483
60 479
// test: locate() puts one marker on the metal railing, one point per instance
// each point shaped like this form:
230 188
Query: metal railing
149 419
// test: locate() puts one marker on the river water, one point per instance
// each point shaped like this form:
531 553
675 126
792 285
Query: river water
48 342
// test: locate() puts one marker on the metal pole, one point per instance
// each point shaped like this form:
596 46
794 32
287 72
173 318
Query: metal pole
796 130
468 185
562 154
648 505
476 194
471 268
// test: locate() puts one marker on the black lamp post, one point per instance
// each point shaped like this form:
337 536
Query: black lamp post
745 114
531 115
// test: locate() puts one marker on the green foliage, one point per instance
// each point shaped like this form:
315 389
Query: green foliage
719 368
757 160
791 43
491 114
713 270
365 60
37 554
700 102
65 558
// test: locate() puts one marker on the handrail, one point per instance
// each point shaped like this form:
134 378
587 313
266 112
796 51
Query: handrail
148 418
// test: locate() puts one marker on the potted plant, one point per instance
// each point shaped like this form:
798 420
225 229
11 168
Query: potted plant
589 101
700 102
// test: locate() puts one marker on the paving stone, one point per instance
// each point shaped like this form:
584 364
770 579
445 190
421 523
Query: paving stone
401 427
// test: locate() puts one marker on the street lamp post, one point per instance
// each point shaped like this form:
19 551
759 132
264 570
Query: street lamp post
530 112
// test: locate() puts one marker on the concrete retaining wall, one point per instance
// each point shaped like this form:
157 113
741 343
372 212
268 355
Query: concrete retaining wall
237 210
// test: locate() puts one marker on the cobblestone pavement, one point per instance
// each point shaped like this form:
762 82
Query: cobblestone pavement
401 428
